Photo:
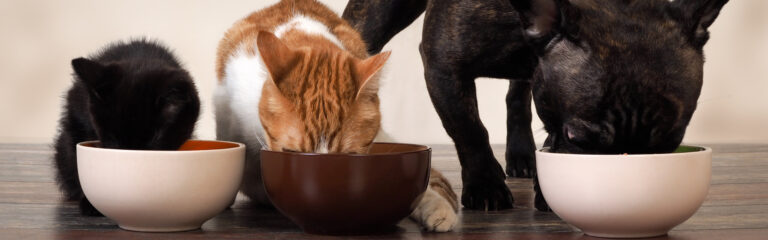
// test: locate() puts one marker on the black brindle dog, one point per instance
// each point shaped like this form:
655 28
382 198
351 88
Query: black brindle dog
607 76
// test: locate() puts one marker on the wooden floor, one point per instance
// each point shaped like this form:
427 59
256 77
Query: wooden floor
736 208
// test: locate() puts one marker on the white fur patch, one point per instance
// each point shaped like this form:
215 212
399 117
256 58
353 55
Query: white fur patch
237 98
244 79
309 26
322 146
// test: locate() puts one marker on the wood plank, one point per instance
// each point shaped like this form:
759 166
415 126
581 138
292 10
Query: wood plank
29 192
737 194
26 146
20 157
739 174
728 217
26 173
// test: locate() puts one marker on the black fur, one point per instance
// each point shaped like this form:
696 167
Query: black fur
607 76
618 76
131 95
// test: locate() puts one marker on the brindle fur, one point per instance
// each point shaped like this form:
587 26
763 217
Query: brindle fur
607 76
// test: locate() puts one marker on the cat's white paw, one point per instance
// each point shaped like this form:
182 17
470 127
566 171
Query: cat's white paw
435 213
443 219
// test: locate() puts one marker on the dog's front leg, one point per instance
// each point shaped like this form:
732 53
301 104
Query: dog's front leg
455 100
520 157
538 201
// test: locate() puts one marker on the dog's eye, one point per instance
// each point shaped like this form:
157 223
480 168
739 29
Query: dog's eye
289 150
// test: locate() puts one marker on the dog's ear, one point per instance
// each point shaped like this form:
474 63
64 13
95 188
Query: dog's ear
543 19
696 16
538 16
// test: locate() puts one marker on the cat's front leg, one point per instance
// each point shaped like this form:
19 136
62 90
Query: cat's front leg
436 211
253 185
87 209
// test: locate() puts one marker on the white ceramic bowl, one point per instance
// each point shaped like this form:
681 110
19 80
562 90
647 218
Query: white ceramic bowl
625 196
161 191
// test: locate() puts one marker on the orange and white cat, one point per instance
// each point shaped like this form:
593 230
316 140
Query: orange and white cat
296 77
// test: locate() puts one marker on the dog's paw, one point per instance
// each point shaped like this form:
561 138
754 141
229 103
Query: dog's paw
435 213
520 165
490 195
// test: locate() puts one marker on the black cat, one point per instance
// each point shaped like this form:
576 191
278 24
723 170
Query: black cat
131 95
606 76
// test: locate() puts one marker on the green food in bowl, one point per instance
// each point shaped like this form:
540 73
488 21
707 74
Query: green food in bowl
684 149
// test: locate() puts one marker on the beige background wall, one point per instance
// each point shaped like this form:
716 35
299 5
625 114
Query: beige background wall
38 39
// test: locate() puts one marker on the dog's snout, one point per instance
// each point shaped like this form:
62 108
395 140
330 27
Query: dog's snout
586 134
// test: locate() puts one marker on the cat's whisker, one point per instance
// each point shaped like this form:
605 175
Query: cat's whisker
262 142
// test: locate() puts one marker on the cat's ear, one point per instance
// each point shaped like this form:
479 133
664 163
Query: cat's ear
278 58
88 71
95 76
366 70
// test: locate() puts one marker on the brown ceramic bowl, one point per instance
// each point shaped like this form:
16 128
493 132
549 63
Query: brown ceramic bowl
347 194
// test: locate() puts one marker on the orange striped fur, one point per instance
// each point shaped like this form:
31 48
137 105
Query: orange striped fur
320 97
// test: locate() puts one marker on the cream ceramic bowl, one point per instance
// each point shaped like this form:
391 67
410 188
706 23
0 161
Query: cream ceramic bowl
625 196
161 191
